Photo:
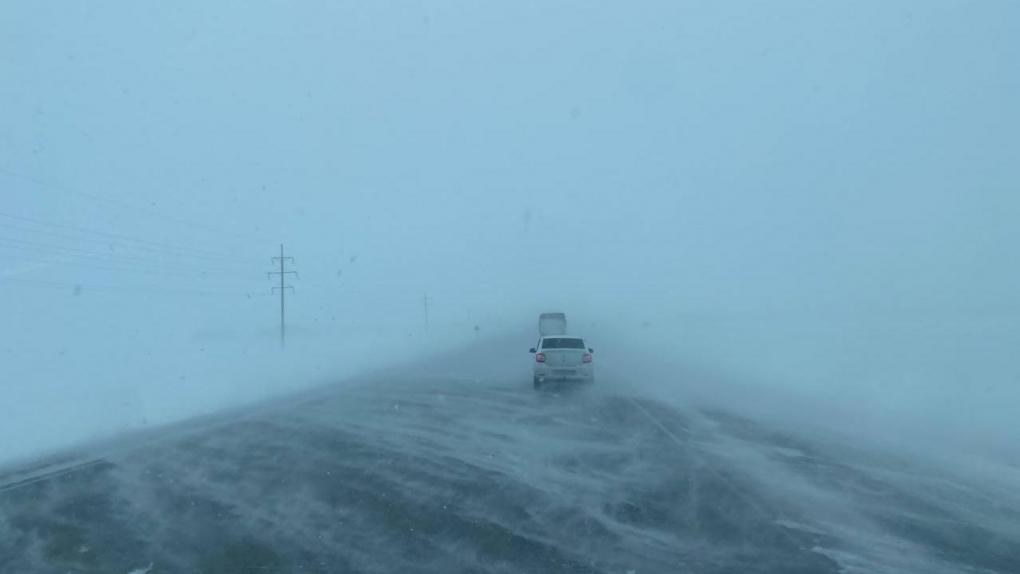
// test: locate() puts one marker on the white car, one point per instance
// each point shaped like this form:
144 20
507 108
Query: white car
562 358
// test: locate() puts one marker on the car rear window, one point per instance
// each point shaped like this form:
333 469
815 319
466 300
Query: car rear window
562 343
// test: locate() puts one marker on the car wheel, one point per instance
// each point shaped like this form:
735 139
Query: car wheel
536 382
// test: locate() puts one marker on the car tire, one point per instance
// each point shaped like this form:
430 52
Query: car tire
536 382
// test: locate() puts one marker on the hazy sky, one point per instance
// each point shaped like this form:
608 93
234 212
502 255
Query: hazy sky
627 157
826 151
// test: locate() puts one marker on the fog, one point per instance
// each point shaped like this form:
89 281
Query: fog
797 210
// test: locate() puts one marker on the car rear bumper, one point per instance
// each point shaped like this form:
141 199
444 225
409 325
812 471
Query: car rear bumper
580 373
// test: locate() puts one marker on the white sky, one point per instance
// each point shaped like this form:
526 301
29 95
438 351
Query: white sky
616 159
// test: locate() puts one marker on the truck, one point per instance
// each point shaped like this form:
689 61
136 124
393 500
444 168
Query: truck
552 324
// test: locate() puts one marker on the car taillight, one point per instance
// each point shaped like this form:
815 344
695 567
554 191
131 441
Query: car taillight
586 358
539 357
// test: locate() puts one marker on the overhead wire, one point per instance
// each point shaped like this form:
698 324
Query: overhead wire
64 248
119 236
100 287
117 204
127 253
127 246
144 271
85 259
109 257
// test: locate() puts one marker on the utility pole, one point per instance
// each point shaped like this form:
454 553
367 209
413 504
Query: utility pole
283 272
426 301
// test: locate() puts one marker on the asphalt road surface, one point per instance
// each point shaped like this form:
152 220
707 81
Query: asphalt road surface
426 473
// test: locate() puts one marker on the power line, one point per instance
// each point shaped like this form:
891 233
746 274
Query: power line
108 242
92 266
91 263
47 249
145 289
76 250
119 204
118 236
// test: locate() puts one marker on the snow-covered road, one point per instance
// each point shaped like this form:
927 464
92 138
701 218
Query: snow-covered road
419 472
